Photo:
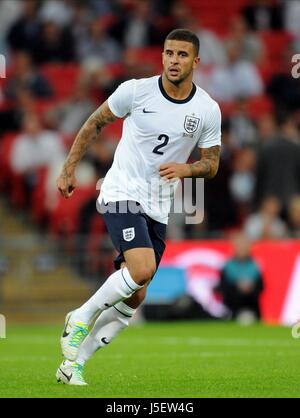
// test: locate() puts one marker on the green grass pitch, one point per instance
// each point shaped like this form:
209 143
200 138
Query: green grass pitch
188 359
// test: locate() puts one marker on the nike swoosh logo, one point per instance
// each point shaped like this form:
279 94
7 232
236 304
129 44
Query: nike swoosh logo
68 377
104 340
148 111
65 333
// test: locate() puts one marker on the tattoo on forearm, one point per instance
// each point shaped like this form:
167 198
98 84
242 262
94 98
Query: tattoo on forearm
87 134
208 164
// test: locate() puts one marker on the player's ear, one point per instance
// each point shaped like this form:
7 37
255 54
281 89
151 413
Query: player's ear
196 62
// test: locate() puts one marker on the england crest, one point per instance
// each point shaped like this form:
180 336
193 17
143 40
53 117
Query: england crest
128 234
191 124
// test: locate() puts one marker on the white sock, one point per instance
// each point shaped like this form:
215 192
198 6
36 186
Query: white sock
109 324
118 286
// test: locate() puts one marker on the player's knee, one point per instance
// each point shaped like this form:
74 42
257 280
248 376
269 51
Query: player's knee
143 274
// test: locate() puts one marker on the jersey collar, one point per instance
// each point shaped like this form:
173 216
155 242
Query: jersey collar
164 93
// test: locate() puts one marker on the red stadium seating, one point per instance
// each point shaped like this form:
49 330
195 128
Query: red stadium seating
113 131
275 43
65 217
38 198
215 14
258 106
62 78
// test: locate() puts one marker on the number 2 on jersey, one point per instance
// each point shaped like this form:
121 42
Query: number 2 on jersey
164 138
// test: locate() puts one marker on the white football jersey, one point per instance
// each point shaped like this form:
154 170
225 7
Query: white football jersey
157 129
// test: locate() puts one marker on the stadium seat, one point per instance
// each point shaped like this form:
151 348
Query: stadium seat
62 78
64 219
259 105
205 11
113 131
275 43
38 198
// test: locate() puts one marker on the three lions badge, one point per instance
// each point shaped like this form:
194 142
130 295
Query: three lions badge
191 124
128 234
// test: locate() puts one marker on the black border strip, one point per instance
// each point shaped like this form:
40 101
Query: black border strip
126 281
128 316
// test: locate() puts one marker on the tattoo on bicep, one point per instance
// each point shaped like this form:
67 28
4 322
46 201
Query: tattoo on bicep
101 117
88 134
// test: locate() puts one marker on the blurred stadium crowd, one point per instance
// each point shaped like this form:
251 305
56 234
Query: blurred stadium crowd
65 57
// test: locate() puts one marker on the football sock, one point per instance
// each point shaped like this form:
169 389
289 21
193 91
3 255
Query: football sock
118 286
108 325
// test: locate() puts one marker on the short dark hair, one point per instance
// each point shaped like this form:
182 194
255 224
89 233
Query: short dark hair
186 36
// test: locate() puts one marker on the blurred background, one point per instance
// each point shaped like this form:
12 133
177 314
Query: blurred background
63 59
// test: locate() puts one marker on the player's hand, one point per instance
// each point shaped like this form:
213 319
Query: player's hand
66 184
171 171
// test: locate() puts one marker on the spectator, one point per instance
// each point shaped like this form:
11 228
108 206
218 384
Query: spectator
69 116
242 180
266 224
35 148
10 11
278 167
252 48
133 67
54 44
11 118
242 127
238 78
264 15
290 128
97 44
101 156
294 217
25 76
136 29
267 129
212 51
81 19
59 11
292 17
100 7
219 204
24 32
241 282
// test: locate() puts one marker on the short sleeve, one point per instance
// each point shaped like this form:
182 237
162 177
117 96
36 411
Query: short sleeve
121 101
211 133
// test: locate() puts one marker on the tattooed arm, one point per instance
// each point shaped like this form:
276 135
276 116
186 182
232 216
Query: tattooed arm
66 182
206 167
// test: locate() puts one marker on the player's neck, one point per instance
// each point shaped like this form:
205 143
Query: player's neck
177 91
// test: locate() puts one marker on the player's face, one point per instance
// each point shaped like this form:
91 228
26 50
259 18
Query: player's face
179 60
